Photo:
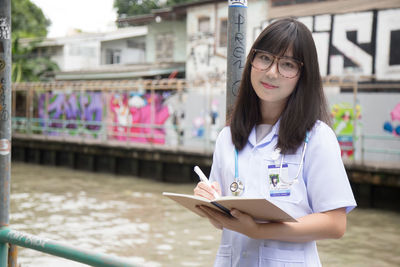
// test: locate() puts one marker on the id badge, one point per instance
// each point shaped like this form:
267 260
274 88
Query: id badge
276 187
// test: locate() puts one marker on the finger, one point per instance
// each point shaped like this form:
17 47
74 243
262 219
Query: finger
202 193
217 215
216 187
204 190
204 186
201 212
236 214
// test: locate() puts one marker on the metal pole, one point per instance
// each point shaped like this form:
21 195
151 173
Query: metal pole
237 16
5 120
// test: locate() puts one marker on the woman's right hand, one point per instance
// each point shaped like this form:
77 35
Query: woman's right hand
203 190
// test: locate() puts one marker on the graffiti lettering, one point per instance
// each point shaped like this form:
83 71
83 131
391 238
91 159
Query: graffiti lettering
240 21
347 45
3 106
73 108
238 52
2 65
235 88
239 38
4 29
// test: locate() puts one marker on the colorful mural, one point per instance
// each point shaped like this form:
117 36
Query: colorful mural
71 107
129 113
135 109
344 118
393 126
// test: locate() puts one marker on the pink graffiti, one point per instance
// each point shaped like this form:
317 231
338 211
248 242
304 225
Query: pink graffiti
134 118
395 113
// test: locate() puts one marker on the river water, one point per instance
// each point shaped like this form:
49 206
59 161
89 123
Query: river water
128 217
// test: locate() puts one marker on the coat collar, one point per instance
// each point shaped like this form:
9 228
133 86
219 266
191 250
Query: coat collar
274 132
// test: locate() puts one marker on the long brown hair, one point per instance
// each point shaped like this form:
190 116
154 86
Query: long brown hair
305 105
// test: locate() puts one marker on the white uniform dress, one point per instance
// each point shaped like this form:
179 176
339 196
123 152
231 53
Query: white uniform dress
323 185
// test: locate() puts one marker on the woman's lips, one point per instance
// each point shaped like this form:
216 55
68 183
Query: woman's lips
269 86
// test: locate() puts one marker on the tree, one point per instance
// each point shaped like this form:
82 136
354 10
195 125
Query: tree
28 21
126 8
27 66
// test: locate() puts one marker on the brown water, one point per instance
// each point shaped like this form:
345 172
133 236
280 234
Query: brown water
128 217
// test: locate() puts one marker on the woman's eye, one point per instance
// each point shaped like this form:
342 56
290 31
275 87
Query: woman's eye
265 58
288 64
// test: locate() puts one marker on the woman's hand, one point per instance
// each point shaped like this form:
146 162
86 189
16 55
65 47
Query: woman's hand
239 221
203 190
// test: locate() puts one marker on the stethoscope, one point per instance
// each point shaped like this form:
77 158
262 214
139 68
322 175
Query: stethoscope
237 186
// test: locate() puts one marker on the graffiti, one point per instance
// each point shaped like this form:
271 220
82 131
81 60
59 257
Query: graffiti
198 127
4 113
211 118
133 118
344 117
83 113
392 126
361 43
2 65
65 110
4 29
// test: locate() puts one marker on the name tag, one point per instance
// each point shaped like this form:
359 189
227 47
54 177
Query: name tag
275 174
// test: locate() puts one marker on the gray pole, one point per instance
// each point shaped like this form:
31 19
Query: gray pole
5 110
5 116
237 16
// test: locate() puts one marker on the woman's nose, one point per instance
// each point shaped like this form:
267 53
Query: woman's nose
273 71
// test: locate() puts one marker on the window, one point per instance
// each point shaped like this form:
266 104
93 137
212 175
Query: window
138 43
113 56
164 47
223 33
204 24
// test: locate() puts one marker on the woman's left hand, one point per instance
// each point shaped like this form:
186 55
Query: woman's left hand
239 222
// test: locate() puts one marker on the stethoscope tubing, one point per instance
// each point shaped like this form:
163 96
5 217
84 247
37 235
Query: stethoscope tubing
295 180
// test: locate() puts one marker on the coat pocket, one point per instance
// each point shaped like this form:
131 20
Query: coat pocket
224 256
273 257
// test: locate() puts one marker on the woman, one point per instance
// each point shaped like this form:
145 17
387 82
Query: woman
279 146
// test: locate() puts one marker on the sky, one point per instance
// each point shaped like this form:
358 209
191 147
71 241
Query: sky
86 15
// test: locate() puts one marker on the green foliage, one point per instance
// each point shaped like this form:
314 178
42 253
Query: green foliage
126 8
28 67
177 2
27 20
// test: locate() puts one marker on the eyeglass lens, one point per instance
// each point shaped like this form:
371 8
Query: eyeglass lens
287 67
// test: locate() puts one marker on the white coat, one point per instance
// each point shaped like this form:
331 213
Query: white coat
323 185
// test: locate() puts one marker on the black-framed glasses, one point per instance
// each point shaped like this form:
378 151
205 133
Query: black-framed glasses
287 67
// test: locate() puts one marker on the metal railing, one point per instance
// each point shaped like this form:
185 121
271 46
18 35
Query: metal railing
379 150
53 248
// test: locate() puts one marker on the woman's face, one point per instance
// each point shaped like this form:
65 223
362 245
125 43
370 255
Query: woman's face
270 86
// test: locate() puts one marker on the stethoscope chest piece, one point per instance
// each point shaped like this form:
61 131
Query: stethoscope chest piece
237 188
